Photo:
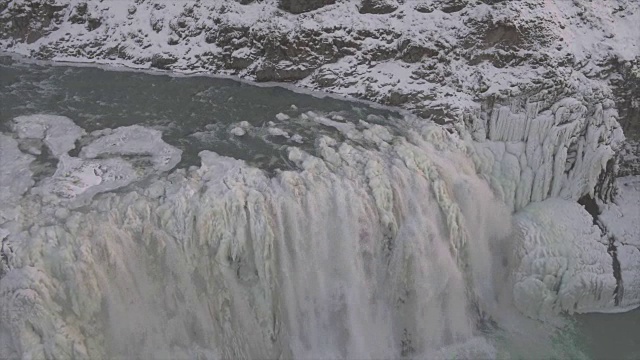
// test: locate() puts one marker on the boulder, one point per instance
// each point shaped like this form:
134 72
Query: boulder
378 6
301 6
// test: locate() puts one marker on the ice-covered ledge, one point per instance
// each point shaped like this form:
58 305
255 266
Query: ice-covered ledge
533 149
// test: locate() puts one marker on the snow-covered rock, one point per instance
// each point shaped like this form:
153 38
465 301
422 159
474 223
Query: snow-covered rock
442 54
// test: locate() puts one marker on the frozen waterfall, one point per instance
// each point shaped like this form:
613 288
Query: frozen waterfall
382 249
134 228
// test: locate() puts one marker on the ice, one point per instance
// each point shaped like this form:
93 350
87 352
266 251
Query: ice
58 132
282 117
529 156
134 140
78 180
274 131
238 131
15 177
334 258
561 263
223 261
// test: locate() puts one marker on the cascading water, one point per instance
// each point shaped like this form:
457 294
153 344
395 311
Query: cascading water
370 250
339 233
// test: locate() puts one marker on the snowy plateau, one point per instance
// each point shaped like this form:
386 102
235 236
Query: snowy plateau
507 197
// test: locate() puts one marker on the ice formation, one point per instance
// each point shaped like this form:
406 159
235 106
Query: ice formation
59 133
544 150
224 261
563 265
133 140
15 176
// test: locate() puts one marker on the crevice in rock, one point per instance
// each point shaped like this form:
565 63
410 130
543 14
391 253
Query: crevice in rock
590 204
618 292
605 188
4 257
406 349
592 208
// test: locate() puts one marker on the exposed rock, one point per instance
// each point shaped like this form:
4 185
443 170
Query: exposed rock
425 7
162 61
452 6
378 6
446 6
300 6
78 14
410 51
29 21
282 71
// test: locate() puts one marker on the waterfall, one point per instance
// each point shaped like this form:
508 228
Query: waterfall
381 245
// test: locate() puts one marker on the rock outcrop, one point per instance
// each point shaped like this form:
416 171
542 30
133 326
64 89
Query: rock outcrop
378 6
300 6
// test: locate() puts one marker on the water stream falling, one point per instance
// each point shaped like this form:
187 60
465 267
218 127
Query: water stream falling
326 229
